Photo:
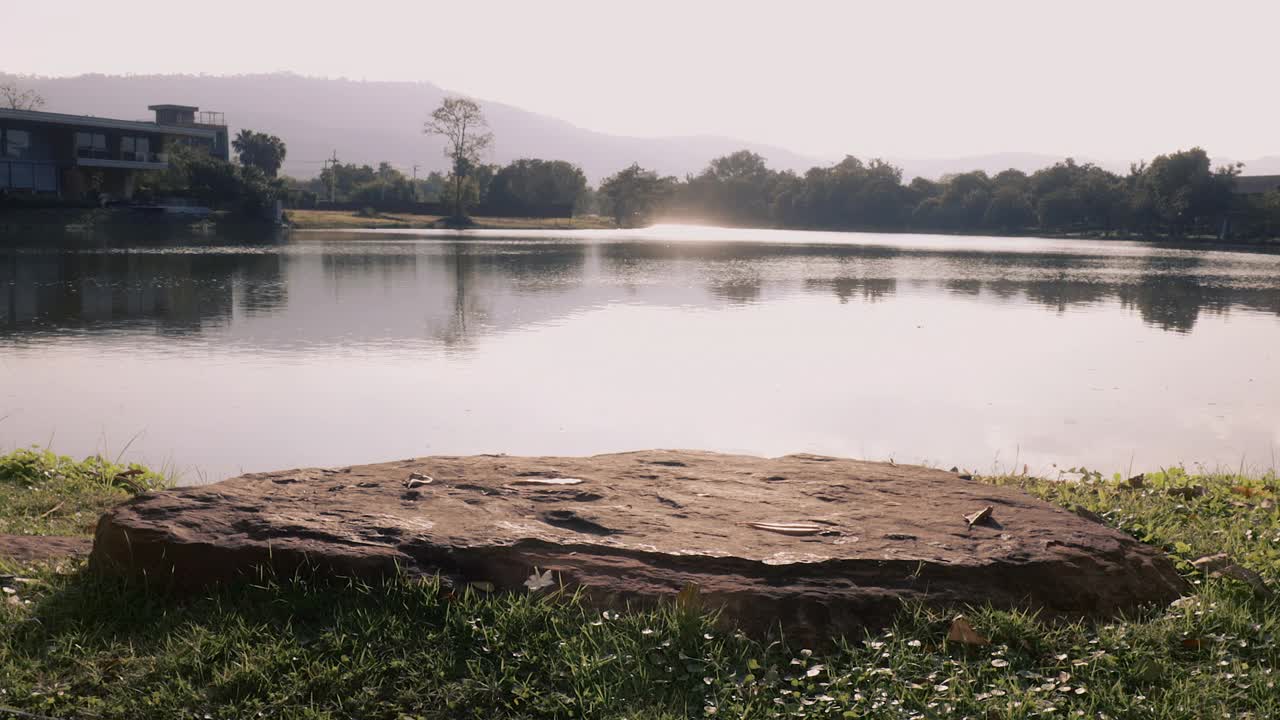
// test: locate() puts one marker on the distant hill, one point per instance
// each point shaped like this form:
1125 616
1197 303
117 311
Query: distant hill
368 122
1269 165
935 168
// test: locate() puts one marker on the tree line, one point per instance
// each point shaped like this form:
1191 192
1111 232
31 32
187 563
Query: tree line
1175 195
526 187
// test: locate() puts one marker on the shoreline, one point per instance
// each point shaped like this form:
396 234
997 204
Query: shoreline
72 220
351 220
354 220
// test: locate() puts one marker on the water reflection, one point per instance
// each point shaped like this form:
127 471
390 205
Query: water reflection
451 292
172 293
232 355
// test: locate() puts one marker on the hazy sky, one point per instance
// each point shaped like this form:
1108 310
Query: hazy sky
1116 80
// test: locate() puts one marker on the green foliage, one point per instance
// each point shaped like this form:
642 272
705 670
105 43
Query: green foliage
220 185
530 187
74 645
1177 195
1187 515
260 150
42 493
631 195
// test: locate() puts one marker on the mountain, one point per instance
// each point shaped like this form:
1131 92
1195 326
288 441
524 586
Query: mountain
369 122
1268 165
934 168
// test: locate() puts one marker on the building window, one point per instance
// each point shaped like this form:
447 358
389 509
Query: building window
22 176
45 178
91 145
135 148
17 144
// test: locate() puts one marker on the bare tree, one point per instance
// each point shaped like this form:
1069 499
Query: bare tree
461 123
15 98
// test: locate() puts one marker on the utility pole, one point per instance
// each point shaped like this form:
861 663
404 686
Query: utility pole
333 177
414 186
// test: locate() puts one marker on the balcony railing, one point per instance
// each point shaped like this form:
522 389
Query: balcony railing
203 117
147 157
211 118
138 157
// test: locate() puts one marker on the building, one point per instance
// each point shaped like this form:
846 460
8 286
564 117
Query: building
71 155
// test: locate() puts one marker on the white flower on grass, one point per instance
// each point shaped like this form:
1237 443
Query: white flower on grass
538 581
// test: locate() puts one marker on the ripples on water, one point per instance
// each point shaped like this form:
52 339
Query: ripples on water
329 348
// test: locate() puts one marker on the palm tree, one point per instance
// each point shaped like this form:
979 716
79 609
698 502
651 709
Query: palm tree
260 150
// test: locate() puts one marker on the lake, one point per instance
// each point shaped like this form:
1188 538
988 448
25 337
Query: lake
220 355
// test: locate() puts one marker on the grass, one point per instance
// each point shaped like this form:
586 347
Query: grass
349 220
76 645
42 493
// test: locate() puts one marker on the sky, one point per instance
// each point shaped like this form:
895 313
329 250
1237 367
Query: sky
1114 80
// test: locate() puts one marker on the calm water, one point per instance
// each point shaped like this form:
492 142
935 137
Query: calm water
225 355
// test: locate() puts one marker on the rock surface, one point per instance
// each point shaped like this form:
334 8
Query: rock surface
819 545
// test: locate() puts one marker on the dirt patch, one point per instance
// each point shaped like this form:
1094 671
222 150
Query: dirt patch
32 548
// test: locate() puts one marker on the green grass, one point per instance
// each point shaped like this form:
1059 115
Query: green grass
74 645
42 493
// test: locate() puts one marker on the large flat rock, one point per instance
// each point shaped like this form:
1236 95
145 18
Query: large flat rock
818 544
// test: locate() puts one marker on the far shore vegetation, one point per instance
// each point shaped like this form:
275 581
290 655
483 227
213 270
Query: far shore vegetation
1177 196
74 645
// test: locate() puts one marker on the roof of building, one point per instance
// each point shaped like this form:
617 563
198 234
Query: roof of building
187 108
1255 184
89 121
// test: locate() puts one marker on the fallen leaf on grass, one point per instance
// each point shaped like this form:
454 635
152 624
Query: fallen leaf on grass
1193 643
1212 563
1248 577
1137 481
962 632
788 528
1221 565
1188 493
1245 490
1088 514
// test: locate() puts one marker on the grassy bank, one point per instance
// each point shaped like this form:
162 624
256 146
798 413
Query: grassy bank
42 493
72 645
345 220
